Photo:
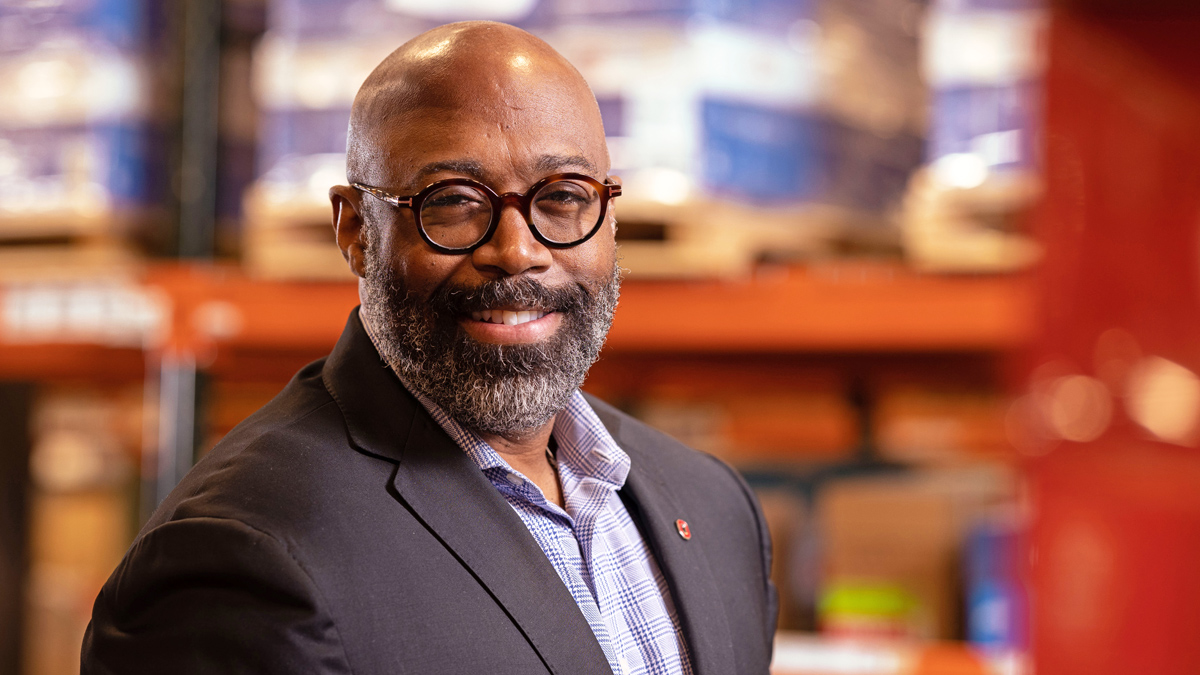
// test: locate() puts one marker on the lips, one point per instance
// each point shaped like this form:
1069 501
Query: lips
508 317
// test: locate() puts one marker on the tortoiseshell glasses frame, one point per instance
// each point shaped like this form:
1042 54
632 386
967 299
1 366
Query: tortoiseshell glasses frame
570 213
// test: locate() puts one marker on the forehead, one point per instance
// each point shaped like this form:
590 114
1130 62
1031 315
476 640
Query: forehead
507 129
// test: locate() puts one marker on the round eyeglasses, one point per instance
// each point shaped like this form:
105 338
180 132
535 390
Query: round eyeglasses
458 215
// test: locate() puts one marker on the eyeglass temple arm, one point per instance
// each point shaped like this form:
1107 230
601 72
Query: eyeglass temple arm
383 196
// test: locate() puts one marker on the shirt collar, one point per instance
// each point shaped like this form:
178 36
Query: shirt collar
585 445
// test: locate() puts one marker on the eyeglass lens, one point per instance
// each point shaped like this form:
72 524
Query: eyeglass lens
458 216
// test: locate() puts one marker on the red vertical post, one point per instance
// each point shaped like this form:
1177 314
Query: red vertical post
1115 481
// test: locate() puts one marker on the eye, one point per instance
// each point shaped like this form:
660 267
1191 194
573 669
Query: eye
454 197
565 194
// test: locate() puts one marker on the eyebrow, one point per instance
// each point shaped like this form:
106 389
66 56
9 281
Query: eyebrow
468 167
545 164
551 163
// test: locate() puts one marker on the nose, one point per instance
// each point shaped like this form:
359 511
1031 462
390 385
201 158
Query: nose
513 249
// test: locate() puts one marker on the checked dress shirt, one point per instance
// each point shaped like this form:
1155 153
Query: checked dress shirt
593 544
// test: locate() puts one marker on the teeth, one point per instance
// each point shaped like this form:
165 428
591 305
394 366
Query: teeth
506 317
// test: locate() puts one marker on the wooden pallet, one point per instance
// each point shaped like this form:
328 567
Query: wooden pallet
704 239
55 223
954 230
71 259
69 242
290 239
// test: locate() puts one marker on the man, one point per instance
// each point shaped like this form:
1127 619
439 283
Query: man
436 496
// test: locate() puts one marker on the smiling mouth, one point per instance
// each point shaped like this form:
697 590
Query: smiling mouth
509 317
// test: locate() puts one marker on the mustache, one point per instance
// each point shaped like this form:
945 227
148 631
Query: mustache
455 300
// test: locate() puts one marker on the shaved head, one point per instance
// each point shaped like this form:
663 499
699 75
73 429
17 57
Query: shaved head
481 67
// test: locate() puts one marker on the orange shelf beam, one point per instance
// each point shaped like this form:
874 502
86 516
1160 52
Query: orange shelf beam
218 313
830 309
71 363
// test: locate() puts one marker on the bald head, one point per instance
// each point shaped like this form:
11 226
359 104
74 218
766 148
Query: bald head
489 70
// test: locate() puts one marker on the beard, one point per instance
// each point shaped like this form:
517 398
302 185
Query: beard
490 388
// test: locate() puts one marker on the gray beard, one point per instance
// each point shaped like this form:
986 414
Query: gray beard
499 389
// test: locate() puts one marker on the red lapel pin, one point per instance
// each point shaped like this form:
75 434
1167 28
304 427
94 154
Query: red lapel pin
682 528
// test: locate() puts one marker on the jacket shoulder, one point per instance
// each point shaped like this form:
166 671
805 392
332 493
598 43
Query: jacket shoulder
277 469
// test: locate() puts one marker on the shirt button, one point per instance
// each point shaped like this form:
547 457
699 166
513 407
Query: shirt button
603 454
514 479
623 663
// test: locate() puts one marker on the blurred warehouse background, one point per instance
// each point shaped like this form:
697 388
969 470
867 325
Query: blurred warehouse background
926 271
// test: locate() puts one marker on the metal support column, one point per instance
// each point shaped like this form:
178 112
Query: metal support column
179 397
198 141
173 382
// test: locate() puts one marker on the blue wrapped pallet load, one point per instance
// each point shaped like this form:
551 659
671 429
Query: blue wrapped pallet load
983 60
751 129
82 151
984 66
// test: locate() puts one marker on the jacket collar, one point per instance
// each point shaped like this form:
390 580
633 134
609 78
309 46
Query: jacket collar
377 409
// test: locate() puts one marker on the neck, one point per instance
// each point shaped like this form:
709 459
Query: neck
522 442
525 451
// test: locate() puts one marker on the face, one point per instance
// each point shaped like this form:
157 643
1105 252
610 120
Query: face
501 337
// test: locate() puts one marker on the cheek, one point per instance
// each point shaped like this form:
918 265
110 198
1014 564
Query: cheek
419 268
425 270
592 260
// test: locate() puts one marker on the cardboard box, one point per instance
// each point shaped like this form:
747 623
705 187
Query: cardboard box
892 544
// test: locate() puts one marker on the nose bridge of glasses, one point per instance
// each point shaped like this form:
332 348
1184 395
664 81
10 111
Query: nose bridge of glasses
513 245
517 200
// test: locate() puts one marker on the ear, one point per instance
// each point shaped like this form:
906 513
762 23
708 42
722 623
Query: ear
348 227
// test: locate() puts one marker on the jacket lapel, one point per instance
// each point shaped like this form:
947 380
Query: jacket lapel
701 615
447 492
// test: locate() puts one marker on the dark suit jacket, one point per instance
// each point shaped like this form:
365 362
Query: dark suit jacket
340 530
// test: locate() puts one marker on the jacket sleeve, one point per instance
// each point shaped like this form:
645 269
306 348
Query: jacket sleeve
210 595
770 593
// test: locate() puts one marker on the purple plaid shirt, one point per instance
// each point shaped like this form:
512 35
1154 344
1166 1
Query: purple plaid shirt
594 544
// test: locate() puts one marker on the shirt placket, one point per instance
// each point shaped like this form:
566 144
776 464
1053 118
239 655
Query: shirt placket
588 499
